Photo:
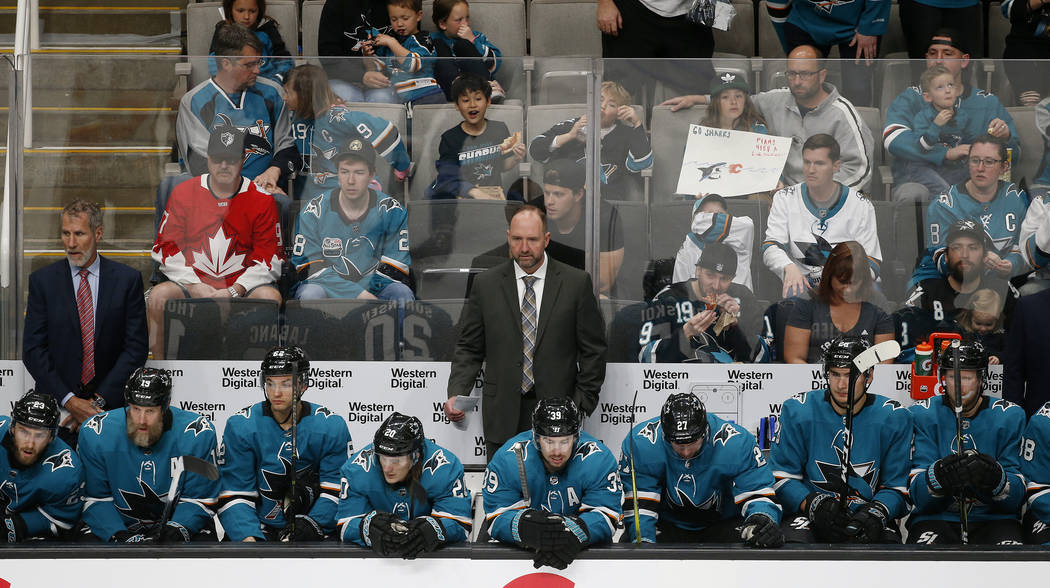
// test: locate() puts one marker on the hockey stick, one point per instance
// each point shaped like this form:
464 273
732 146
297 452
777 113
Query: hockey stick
957 408
863 362
634 482
180 464
293 483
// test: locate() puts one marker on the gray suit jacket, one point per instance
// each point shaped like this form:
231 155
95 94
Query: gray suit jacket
569 359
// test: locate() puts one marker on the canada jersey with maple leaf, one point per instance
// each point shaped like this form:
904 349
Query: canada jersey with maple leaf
219 242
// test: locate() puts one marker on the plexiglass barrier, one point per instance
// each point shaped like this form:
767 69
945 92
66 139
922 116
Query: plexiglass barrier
682 275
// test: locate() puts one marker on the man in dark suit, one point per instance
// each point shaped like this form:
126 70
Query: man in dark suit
85 329
1025 378
535 323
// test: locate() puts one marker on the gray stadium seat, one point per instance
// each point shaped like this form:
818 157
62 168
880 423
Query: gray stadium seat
740 38
669 222
430 121
893 41
634 218
895 269
200 24
502 21
669 132
768 42
397 114
998 27
1031 144
471 228
873 118
562 29
311 23
344 330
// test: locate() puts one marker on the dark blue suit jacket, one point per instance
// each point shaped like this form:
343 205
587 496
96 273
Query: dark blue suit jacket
51 341
1026 378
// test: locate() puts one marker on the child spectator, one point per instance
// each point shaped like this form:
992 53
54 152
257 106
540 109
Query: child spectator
983 320
406 51
625 146
473 52
474 154
252 15
730 106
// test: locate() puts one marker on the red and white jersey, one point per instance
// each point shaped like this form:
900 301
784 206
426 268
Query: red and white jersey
218 241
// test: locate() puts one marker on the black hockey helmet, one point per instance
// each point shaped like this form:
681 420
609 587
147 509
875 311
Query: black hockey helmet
556 417
842 350
972 356
285 361
37 410
148 387
683 419
398 435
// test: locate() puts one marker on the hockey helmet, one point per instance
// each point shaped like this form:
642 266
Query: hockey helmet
286 361
683 419
556 417
148 387
841 352
398 435
37 410
972 356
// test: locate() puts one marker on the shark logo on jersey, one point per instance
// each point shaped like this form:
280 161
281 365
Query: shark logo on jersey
708 170
816 253
62 459
95 423
436 460
727 432
1002 404
323 411
482 171
144 506
364 459
8 493
276 484
925 402
649 431
684 498
986 220
336 115
829 5
893 404
587 449
220 459
245 412
363 32
198 426
522 446
832 472
1044 411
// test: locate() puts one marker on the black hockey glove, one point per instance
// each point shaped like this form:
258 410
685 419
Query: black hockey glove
126 536
14 527
946 477
303 529
307 489
983 473
761 531
565 546
173 532
424 534
868 523
540 531
828 517
384 532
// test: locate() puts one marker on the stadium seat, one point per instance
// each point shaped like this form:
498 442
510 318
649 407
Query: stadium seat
560 30
397 114
874 119
768 43
502 21
430 121
998 27
430 330
311 23
909 238
344 330
893 267
634 218
230 329
757 211
1031 144
669 132
669 222
893 41
200 24
740 38
451 233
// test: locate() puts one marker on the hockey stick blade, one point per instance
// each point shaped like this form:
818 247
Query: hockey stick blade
201 467
876 354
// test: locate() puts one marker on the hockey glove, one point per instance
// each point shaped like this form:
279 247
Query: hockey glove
984 473
946 477
565 546
539 531
307 489
126 536
424 534
384 532
304 528
828 517
761 531
15 528
173 532
868 523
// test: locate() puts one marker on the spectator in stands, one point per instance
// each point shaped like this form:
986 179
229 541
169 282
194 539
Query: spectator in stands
344 31
975 112
324 126
809 218
921 18
474 154
464 49
855 27
730 106
251 14
236 96
982 320
625 146
220 237
838 306
564 202
78 345
1034 241
1026 41
406 52
935 302
701 319
807 107
998 205
352 242
712 223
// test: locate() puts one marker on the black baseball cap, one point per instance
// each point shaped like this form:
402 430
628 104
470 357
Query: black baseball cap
718 257
357 149
225 143
565 173
967 228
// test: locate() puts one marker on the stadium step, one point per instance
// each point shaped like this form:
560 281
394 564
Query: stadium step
60 126
100 168
103 76
131 226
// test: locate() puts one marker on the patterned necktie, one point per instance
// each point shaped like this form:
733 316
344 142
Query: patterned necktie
87 328
528 333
